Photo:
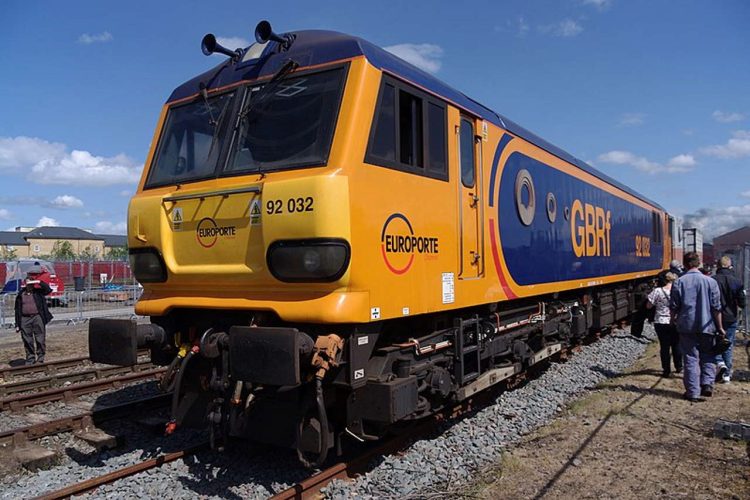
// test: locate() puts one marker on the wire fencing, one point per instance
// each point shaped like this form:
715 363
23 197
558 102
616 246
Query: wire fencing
79 306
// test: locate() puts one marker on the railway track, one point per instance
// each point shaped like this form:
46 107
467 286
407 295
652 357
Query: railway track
131 470
358 464
8 373
68 393
82 421
61 379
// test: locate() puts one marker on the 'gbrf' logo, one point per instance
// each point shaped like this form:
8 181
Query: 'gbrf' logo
399 244
590 229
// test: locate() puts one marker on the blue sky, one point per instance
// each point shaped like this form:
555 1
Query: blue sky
654 93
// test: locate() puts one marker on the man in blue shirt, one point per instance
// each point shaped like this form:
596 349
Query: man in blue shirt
695 302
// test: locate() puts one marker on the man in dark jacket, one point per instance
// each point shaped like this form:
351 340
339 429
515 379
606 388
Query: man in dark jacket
732 298
32 316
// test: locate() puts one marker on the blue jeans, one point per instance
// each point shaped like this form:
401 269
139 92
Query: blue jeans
726 356
698 362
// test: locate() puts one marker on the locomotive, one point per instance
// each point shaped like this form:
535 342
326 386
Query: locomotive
332 241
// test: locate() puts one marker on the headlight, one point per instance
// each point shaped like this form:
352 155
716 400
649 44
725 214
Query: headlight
321 260
147 265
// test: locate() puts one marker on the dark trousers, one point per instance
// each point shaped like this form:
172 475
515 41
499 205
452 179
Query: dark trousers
33 335
669 340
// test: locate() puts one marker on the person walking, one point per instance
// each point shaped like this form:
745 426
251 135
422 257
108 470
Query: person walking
732 298
32 315
695 303
669 346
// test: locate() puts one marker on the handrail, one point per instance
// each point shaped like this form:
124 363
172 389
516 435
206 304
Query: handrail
223 192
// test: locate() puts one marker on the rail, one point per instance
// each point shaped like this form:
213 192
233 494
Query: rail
60 379
82 420
20 401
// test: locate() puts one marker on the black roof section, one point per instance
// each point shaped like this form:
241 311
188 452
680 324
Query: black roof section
114 240
60 233
14 238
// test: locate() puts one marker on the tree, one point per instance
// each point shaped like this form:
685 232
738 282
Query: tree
62 250
8 253
117 253
87 254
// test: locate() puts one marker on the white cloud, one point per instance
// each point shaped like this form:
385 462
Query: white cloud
717 221
4 214
736 147
683 161
67 201
680 163
425 56
632 119
21 152
233 42
599 4
126 193
523 26
47 222
565 28
51 163
107 227
103 37
723 117
745 194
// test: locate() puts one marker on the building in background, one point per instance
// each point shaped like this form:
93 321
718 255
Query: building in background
732 242
49 241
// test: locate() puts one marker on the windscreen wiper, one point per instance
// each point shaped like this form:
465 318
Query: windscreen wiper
268 88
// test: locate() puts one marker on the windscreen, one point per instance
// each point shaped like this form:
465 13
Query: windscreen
190 143
290 125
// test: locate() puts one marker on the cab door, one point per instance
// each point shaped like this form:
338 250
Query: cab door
471 263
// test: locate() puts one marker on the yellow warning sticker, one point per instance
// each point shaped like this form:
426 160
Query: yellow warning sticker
177 219
255 213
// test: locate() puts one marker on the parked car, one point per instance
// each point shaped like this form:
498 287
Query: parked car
16 274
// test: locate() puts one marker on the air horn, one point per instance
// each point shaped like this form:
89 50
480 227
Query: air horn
264 33
209 45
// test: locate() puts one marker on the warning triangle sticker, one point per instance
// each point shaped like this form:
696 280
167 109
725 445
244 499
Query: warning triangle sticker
255 212
177 215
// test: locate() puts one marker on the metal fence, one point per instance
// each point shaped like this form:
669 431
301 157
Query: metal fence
741 262
77 307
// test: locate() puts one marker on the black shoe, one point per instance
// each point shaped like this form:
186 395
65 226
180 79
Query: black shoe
678 370
665 374
707 391
692 400
721 370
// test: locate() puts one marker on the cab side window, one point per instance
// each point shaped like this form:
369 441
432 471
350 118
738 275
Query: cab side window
408 131
466 146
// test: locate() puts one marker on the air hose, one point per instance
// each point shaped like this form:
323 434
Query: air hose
172 424
323 418
168 382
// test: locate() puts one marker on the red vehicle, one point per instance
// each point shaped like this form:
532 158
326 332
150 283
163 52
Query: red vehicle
16 274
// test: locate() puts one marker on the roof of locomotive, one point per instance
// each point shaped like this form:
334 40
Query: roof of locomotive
315 47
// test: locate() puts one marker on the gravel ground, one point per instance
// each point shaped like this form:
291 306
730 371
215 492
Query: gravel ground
253 471
440 465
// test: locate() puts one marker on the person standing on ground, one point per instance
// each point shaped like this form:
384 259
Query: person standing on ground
32 316
732 298
695 302
665 329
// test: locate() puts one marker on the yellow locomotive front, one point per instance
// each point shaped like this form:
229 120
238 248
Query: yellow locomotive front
245 194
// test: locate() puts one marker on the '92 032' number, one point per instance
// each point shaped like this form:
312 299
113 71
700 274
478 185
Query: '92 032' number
292 205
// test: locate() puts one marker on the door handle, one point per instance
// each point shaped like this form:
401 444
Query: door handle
474 200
